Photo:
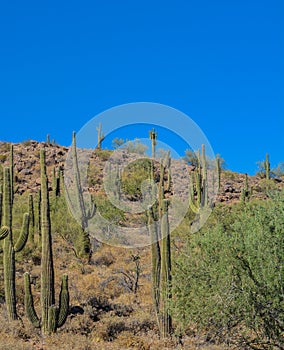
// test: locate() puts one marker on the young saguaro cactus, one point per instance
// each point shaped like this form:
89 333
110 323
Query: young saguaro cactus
51 316
9 247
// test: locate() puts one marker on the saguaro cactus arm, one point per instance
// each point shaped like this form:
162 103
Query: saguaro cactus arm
4 231
29 302
63 301
22 240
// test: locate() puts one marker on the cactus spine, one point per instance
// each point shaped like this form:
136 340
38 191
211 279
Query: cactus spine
51 316
101 136
267 167
9 248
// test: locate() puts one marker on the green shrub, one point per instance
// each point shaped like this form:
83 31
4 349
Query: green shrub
229 279
133 176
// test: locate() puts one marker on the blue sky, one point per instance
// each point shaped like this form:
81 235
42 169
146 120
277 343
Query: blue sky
220 62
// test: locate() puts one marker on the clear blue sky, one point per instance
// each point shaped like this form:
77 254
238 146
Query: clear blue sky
220 62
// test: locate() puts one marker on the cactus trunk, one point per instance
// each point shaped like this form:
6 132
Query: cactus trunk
166 320
47 274
51 316
8 250
84 250
32 219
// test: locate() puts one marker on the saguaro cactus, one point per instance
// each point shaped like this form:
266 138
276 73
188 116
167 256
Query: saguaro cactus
199 184
204 199
246 192
86 212
9 247
51 316
56 182
101 136
161 258
39 215
1 203
166 321
153 138
267 167
12 172
219 169
32 219
155 261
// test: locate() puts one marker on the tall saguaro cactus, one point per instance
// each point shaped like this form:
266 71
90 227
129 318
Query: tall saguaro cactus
166 321
86 213
156 261
9 247
161 258
51 316
47 273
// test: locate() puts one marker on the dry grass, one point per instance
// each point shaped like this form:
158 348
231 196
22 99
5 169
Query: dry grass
105 312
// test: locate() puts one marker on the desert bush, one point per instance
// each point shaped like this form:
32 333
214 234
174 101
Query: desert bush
108 210
133 176
229 279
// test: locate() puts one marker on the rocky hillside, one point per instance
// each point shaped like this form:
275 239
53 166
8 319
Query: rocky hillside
27 172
